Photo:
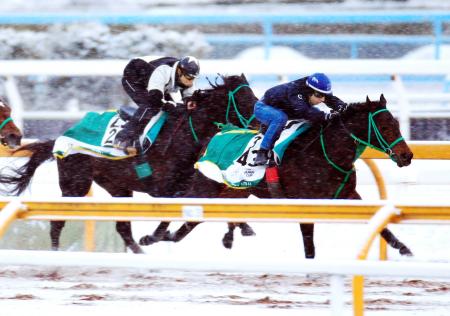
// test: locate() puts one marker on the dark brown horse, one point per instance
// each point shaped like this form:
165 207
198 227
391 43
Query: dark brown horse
171 156
10 135
320 165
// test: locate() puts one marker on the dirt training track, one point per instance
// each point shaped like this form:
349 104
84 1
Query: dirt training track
74 289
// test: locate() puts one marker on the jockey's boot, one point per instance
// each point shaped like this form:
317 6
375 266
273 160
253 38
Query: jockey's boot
128 138
262 157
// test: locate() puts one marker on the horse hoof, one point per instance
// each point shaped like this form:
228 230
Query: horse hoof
246 230
147 240
135 248
404 251
310 253
227 242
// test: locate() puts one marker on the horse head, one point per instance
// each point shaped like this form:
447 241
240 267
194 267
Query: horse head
10 135
382 130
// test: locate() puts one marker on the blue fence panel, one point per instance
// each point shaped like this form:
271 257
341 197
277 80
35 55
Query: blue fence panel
267 21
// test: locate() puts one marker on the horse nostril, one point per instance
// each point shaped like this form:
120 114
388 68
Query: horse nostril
408 156
12 140
405 158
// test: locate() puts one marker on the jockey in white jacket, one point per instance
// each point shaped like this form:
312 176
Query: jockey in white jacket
151 83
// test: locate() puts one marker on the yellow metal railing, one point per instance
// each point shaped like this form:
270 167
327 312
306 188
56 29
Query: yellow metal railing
421 150
378 214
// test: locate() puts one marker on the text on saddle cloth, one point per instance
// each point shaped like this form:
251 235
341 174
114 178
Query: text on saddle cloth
230 155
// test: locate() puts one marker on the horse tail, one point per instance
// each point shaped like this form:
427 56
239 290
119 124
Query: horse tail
19 179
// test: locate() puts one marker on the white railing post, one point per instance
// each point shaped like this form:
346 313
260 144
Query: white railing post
337 294
403 105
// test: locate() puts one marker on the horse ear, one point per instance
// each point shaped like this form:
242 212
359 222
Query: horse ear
367 99
244 77
382 99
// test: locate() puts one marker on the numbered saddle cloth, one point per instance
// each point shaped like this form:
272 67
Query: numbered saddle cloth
230 154
94 135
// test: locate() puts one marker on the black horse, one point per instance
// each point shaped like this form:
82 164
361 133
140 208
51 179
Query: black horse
320 165
171 157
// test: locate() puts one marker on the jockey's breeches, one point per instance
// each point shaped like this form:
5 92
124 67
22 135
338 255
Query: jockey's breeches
274 119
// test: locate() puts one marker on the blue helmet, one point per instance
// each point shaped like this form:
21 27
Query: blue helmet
319 82
190 66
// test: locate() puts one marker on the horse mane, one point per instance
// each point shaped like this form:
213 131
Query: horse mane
216 85
225 80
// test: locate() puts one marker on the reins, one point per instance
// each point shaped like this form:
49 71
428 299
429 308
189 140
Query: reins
385 147
231 101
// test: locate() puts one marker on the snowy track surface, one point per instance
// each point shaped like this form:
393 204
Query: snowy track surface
105 291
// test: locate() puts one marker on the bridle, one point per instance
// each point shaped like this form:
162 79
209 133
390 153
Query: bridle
361 146
2 125
384 145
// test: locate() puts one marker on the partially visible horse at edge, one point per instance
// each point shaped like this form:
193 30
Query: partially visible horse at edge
171 157
320 165
10 135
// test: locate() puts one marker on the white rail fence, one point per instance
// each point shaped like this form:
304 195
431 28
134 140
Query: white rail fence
402 99
378 213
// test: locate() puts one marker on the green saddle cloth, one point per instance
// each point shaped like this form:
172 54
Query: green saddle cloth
230 154
94 135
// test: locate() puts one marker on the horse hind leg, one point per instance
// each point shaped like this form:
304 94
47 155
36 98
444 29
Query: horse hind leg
75 180
308 240
124 230
55 232
395 243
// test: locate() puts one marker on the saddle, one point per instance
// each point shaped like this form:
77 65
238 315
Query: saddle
126 112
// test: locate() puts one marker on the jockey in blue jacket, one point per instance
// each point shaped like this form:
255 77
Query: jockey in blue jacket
294 100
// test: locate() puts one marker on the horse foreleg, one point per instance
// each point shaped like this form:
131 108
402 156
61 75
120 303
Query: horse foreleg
395 243
181 232
228 238
124 230
308 240
160 233
55 232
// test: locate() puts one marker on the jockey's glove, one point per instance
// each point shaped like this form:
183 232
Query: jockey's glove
342 107
173 107
331 116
